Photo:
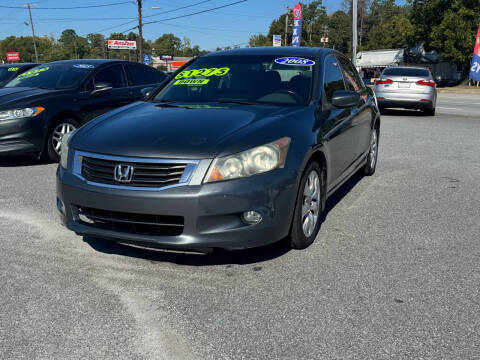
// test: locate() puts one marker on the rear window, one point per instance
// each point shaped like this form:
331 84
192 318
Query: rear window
407 72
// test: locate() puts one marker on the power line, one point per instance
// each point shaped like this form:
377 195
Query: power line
186 15
149 16
67 8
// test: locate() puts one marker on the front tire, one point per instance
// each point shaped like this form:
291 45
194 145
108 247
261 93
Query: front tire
55 136
308 209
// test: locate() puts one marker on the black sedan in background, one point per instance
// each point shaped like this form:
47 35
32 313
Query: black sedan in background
9 71
38 107
241 148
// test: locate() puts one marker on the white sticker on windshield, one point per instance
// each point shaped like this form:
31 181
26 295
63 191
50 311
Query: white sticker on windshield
83 66
295 61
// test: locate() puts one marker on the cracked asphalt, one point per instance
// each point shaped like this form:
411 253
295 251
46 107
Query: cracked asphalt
393 274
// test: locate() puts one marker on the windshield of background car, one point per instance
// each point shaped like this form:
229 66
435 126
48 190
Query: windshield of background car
52 76
406 72
6 72
260 79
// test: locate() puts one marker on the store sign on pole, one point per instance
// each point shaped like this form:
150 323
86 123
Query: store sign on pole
13 56
277 40
147 59
122 44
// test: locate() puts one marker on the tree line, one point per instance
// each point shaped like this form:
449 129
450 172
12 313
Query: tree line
72 46
447 26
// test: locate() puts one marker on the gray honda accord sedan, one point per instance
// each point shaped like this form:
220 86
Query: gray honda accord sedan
238 149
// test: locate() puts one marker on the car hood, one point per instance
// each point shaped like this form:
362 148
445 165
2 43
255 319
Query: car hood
191 131
14 95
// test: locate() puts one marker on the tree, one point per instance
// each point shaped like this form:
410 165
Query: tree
259 40
168 44
340 31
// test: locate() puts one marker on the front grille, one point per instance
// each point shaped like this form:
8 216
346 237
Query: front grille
142 224
145 174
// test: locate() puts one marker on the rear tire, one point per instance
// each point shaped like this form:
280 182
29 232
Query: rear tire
57 130
372 156
307 217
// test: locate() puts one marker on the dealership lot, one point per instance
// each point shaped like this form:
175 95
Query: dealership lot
393 274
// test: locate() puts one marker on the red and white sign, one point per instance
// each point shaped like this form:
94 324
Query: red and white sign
122 44
13 56
178 64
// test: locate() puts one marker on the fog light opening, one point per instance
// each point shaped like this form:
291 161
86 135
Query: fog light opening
251 217
85 219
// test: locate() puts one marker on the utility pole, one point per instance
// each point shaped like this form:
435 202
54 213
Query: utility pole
286 26
33 33
140 32
354 35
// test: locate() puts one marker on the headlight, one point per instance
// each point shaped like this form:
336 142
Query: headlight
64 149
20 113
250 162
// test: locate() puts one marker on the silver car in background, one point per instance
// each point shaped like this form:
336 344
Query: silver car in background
406 87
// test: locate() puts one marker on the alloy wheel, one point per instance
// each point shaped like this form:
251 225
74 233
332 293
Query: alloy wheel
373 149
311 203
58 133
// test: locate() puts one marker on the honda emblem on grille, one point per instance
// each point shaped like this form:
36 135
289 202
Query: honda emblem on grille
123 173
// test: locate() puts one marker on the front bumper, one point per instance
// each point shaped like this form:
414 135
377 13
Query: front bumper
211 212
22 136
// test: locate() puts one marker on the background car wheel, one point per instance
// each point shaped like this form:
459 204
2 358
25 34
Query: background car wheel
372 156
55 136
308 209
429 112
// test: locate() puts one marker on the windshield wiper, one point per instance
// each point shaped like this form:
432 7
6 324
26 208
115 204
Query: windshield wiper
239 102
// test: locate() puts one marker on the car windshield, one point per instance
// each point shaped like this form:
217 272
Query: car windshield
243 79
406 72
6 72
52 76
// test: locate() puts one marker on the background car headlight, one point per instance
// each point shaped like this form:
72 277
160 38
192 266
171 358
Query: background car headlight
250 162
64 149
20 113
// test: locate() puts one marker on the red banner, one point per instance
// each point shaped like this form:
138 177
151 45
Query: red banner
477 43
13 56
297 12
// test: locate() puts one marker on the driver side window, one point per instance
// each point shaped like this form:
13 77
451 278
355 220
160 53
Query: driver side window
332 78
113 75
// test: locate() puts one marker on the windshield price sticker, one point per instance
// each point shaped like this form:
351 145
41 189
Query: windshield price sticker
191 82
32 73
83 66
203 72
13 69
294 61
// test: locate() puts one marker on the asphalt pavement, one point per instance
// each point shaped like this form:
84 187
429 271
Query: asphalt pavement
393 274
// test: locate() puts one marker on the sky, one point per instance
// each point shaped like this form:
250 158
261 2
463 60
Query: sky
228 26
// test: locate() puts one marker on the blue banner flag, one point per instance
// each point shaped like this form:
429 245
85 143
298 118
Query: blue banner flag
297 25
475 69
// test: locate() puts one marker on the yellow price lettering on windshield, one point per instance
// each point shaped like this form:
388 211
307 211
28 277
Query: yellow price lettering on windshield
32 73
203 72
191 82
13 69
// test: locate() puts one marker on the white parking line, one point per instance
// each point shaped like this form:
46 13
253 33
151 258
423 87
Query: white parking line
448 108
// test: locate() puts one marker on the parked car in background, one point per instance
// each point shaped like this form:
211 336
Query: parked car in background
406 87
240 149
9 71
38 107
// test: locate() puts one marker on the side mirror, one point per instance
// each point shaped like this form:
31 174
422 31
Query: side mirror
345 99
101 87
146 92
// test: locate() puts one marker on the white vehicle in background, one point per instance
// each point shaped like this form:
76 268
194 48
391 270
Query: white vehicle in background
408 88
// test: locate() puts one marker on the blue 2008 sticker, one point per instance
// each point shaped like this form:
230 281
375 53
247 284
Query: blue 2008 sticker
296 61
83 66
